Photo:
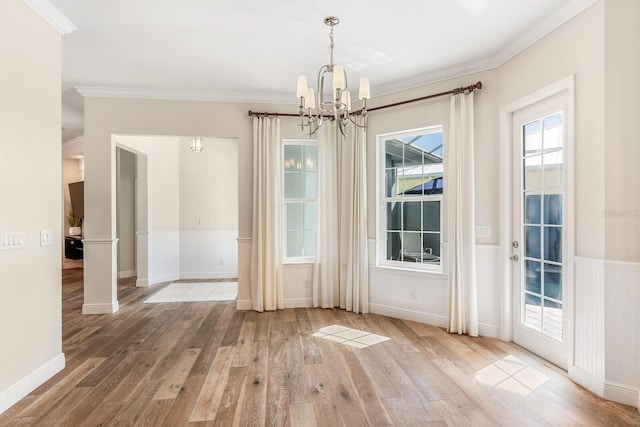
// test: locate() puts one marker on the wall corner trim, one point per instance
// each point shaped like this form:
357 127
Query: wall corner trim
16 392
52 15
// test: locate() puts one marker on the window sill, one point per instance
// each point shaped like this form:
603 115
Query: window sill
298 263
411 271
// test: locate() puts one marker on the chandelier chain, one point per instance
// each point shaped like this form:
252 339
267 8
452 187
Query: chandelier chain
331 47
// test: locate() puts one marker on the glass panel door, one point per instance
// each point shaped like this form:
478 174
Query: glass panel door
541 196
539 267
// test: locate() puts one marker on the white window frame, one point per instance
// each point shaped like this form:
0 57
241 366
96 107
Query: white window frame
382 204
285 201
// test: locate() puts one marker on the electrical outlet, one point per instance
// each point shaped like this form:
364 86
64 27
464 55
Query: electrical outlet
306 284
483 231
413 294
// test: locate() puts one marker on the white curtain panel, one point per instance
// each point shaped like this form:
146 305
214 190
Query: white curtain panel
463 300
354 259
341 277
326 274
266 250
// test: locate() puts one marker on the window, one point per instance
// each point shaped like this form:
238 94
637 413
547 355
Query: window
300 195
412 186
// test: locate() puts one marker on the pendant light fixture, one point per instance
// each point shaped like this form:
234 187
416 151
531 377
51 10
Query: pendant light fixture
336 106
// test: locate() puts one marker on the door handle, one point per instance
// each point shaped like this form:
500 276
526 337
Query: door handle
514 258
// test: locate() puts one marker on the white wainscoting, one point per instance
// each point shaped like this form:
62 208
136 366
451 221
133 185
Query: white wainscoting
587 368
164 256
424 296
622 332
607 329
488 267
208 254
297 280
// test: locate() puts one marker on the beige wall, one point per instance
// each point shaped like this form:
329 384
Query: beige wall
30 184
622 130
576 48
126 219
209 185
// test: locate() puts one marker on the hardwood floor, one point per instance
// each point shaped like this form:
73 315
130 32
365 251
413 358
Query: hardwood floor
201 364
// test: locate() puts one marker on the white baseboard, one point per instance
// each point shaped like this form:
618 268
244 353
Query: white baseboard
164 278
403 313
13 394
126 274
142 283
244 304
622 393
298 303
210 275
100 308
587 380
430 319
490 331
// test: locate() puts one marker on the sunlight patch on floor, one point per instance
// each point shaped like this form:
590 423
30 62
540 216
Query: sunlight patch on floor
348 336
512 374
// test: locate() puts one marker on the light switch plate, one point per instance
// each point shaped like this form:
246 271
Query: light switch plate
12 240
45 237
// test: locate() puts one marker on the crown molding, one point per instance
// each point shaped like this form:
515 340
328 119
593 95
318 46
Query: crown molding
512 49
561 16
52 15
74 148
554 21
179 95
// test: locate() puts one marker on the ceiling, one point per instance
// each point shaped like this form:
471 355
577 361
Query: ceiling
253 50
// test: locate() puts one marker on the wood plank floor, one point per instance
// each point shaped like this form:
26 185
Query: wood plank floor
205 364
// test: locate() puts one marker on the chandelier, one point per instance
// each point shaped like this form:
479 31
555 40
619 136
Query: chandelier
337 106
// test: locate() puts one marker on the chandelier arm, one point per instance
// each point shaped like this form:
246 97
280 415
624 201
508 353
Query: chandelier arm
356 124
321 74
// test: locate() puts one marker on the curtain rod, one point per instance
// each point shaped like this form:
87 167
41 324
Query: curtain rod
455 91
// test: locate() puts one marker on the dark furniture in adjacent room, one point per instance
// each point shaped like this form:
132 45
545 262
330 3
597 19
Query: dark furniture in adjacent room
73 247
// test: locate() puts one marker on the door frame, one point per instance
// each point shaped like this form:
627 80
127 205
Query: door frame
565 85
